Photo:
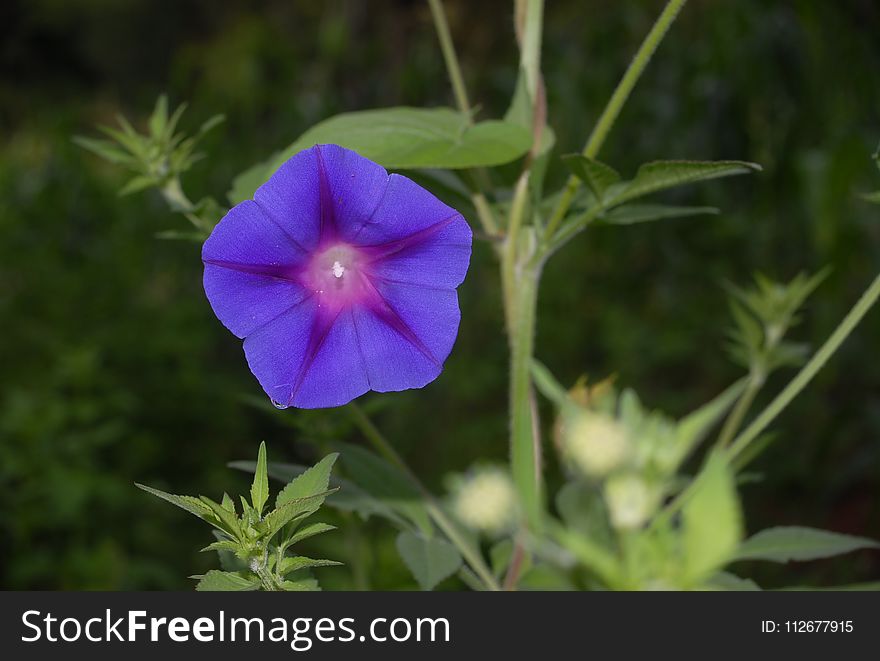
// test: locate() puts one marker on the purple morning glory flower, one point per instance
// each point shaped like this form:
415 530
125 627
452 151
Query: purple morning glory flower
339 278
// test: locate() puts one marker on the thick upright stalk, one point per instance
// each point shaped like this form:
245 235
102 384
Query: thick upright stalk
615 105
525 452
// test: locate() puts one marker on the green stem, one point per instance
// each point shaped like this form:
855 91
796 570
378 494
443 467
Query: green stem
452 66
525 451
384 448
481 204
738 414
177 200
784 398
615 105
792 390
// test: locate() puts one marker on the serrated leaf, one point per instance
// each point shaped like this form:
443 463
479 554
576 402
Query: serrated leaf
291 510
224 581
693 428
227 520
189 503
312 481
788 543
428 558
260 485
630 214
106 150
386 483
596 175
403 138
711 521
159 118
137 184
309 531
731 582
291 564
222 545
227 503
661 175
301 585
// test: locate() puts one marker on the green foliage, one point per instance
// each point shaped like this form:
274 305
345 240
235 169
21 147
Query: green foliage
253 539
711 521
430 559
158 158
401 139
787 543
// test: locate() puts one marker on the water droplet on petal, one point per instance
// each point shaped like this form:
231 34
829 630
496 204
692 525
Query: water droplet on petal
278 405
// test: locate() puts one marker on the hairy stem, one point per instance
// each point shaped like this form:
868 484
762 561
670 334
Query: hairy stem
800 381
380 443
615 105
743 404
478 198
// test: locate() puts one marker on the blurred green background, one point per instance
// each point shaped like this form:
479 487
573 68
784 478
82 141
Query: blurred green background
113 368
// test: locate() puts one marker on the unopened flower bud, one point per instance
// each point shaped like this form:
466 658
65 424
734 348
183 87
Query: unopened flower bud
630 501
486 501
596 443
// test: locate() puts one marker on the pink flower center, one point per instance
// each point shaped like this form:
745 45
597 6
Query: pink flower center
338 276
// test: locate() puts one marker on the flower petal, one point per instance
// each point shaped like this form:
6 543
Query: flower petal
291 199
405 209
353 187
245 301
246 258
438 256
276 351
333 371
405 339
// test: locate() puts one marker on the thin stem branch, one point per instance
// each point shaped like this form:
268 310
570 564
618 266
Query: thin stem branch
478 198
800 381
383 447
737 415
615 105
449 55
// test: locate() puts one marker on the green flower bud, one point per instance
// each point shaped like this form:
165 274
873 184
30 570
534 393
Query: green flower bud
630 501
596 444
486 501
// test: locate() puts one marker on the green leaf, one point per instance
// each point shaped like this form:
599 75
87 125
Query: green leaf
872 197
403 138
787 543
301 585
595 174
106 150
582 509
188 503
227 503
693 428
660 175
428 558
711 521
159 118
631 214
309 531
549 386
731 582
292 509
228 522
291 564
222 545
224 581
137 184
260 486
312 481
386 483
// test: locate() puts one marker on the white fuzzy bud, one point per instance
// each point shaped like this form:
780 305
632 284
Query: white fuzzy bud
630 501
486 501
596 444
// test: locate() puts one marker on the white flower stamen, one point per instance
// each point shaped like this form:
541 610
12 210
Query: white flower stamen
337 269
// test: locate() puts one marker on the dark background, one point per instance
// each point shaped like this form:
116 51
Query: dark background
113 368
